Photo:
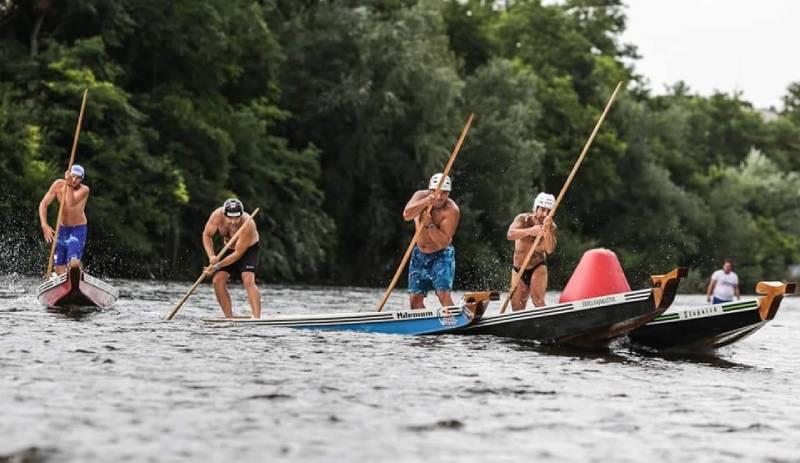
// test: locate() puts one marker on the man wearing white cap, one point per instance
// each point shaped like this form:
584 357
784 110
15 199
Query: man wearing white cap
72 231
523 231
433 261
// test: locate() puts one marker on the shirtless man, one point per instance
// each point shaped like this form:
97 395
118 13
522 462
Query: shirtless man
433 261
72 231
241 259
523 231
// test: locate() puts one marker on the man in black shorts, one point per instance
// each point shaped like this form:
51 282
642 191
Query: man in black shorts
241 259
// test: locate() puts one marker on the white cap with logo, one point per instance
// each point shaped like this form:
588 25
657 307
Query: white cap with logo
447 185
77 170
544 200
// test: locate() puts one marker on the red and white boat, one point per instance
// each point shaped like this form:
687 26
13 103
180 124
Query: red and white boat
76 288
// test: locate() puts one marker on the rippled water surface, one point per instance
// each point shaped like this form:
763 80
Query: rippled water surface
125 385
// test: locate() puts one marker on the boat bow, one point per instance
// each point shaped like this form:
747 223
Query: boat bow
773 295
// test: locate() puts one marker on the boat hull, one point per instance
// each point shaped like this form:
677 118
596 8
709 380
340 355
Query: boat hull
705 328
700 328
76 288
405 322
587 322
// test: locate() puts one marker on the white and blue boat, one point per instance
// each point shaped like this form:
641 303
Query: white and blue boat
405 322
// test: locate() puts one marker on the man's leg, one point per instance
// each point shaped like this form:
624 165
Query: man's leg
249 281
520 297
220 281
417 280
417 301
75 245
60 255
539 285
444 298
444 272
74 249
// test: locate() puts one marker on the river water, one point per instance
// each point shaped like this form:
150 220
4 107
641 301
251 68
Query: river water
123 385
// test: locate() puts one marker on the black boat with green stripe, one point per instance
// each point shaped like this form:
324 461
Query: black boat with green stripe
705 328
588 322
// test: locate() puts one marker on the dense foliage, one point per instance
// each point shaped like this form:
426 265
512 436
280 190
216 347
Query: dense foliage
328 114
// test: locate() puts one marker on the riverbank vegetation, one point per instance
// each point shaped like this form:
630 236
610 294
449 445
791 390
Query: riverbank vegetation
328 115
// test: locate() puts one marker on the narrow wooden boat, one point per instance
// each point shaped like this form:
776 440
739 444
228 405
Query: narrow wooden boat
76 288
592 321
409 322
704 328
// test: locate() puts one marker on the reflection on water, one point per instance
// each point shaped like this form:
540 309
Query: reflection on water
123 384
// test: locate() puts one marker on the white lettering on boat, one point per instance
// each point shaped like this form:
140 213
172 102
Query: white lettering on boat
605 300
698 312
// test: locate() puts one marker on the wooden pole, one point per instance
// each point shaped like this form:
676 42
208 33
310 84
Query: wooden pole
410 248
517 275
203 275
64 194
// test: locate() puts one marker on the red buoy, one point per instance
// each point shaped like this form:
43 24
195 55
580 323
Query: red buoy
597 274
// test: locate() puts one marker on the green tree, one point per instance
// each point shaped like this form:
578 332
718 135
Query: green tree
493 181
376 91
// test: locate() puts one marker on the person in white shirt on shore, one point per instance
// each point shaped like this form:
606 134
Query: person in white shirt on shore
724 284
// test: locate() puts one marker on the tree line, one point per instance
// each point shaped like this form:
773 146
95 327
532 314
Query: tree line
328 114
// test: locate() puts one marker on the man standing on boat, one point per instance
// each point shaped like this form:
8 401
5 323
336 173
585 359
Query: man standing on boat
523 231
724 284
433 261
241 259
72 230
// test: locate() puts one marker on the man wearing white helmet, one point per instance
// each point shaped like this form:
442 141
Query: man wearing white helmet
433 262
239 260
72 231
523 231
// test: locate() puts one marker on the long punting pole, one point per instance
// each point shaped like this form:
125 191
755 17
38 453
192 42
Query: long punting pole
64 194
515 279
446 171
203 275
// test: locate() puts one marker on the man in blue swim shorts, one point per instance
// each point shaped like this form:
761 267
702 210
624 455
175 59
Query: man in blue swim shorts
433 261
72 231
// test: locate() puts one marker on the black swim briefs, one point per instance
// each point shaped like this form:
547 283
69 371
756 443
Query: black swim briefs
527 274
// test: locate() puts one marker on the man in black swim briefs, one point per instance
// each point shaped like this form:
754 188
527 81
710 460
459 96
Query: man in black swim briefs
523 231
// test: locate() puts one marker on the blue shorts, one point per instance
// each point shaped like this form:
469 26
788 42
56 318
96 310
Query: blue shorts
715 300
70 243
431 271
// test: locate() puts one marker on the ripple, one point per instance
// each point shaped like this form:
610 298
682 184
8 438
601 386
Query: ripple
28 455
442 424
125 385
